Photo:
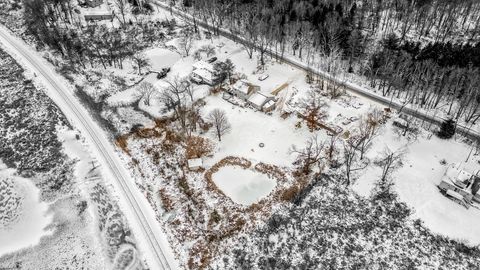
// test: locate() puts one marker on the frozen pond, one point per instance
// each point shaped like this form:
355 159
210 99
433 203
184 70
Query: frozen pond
23 216
243 186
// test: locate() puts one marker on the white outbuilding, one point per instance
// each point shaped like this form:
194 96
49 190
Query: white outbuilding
195 163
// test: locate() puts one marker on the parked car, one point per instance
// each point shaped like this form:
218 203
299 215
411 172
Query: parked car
211 60
163 73
263 77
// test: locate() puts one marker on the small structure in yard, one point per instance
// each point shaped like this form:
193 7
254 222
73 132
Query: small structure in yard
204 72
99 13
195 164
461 186
244 89
259 101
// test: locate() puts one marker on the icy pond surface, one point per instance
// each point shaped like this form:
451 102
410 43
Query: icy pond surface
27 216
243 186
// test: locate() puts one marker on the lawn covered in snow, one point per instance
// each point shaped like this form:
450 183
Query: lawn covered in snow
416 181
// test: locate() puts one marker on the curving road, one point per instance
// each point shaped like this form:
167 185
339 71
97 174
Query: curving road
142 220
436 120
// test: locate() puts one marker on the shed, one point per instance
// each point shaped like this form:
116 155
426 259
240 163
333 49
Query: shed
269 106
195 163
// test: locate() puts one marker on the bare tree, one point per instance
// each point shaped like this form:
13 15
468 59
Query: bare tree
173 97
368 128
350 147
122 9
312 109
147 91
309 155
220 122
141 60
389 161
186 41
189 89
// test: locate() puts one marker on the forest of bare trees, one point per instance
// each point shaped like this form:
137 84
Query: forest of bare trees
424 53
421 52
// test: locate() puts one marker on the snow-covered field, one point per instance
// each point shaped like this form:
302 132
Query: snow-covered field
243 186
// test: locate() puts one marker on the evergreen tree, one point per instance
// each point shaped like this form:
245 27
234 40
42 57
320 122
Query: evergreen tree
447 129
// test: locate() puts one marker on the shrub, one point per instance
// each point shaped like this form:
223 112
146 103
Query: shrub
198 147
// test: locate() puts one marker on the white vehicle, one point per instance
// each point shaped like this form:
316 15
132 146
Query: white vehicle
263 77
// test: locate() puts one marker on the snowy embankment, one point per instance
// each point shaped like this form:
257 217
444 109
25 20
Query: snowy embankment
23 217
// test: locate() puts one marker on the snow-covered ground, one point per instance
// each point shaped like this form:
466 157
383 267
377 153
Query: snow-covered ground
161 58
416 182
243 186
31 215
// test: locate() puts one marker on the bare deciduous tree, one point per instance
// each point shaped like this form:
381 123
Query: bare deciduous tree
368 128
147 91
141 61
389 161
350 148
312 109
309 155
220 122
186 41
173 97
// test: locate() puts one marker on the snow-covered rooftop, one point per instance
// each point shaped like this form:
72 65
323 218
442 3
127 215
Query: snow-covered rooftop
195 163
203 73
259 99
203 65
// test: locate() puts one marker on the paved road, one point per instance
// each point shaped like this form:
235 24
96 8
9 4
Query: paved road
152 242
466 131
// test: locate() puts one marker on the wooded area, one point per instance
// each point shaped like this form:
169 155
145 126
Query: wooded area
422 52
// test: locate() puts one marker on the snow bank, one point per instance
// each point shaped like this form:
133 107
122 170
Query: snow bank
243 186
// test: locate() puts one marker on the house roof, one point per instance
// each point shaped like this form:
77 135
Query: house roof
203 65
195 162
243 86
270 103
259 99
203 73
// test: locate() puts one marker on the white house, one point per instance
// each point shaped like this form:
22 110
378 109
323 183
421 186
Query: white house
204 72
461 186
259 101
244 89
